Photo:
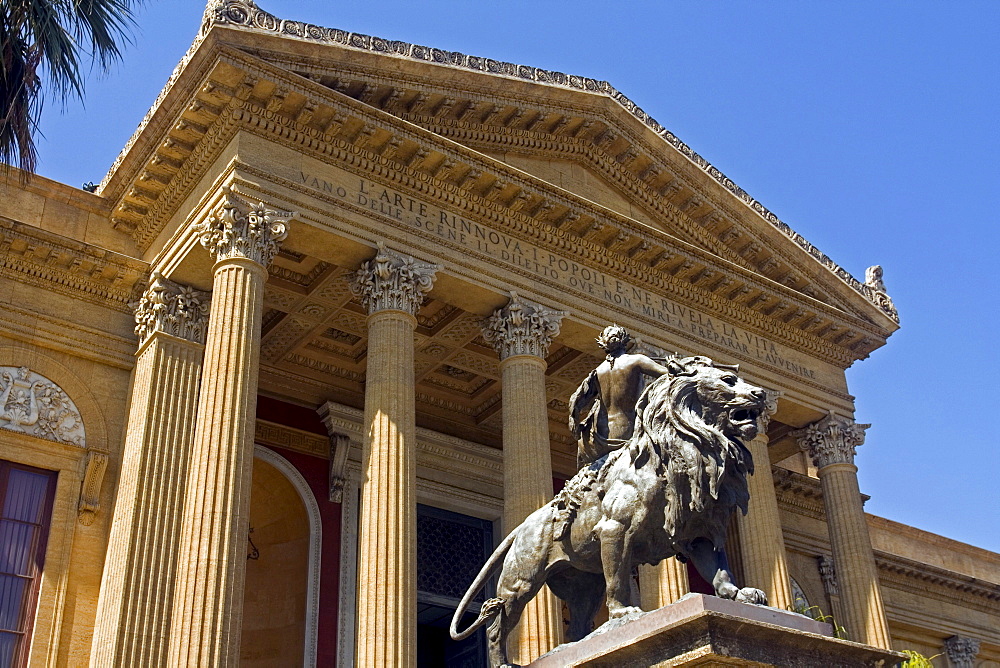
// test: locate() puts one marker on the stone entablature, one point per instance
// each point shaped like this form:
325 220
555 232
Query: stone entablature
79 270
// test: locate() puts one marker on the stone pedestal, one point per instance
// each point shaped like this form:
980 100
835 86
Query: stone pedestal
704 630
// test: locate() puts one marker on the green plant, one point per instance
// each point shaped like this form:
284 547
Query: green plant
917 660
817 613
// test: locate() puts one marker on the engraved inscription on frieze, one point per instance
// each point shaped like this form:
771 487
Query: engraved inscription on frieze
477 238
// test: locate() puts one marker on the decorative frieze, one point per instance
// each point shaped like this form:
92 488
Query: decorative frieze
393 281
961 651
32 404
832 440
239 229
172 308
522 327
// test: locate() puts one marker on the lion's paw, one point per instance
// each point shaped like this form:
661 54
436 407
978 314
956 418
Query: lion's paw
624 611
751 595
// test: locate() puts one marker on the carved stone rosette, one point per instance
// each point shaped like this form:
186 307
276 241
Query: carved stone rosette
961 651
239 229
393 281
832 440
522 327
172 308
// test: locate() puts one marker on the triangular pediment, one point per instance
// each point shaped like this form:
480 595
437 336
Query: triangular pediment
529 115
553 152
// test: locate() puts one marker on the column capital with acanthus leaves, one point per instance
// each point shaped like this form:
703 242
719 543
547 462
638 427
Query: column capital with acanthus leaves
522 327
832 440
393 281
239 228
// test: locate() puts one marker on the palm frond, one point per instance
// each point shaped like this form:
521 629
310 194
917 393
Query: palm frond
47 40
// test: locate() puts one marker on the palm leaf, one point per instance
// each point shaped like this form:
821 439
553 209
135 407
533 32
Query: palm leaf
46 40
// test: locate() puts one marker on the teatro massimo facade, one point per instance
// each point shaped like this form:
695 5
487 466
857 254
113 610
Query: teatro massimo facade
249 414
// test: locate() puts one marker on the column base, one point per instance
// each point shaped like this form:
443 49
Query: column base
701 630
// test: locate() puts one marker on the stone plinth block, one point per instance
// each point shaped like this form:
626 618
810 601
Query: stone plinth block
704 630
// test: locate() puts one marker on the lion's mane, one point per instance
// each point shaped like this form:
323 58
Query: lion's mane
696 460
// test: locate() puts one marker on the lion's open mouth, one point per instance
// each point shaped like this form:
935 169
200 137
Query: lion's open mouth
743 415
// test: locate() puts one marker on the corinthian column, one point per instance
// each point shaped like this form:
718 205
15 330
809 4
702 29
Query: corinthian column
765 564
208 604
133 615
830 443
521 333
663 584
392 287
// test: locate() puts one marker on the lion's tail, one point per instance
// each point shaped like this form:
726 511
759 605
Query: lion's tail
490 607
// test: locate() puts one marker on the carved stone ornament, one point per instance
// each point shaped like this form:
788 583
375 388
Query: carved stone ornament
961 651
32 404
340 445
392 281
828 575
770 408
239 229
90 491
172 308
522 327
874 289
831 440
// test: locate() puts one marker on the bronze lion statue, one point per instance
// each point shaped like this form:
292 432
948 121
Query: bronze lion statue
669 490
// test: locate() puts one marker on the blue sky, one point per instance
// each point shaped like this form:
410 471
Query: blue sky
871 128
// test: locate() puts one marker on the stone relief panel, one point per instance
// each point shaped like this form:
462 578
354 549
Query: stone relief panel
32 404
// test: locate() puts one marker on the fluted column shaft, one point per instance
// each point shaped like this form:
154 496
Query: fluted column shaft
208 603
387 564
765 564
133 618
392 287
857 576
831 443
663 584
527 486
521 333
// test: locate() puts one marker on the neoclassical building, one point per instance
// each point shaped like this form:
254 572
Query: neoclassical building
274 390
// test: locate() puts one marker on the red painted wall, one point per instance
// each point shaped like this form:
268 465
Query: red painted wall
316 472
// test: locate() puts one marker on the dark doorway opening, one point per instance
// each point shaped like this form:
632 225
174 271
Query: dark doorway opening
451 548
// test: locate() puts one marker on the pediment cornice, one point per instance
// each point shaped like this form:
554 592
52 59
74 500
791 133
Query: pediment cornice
240 92
624 134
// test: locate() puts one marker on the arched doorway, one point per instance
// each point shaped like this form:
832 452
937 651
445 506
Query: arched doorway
280 600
